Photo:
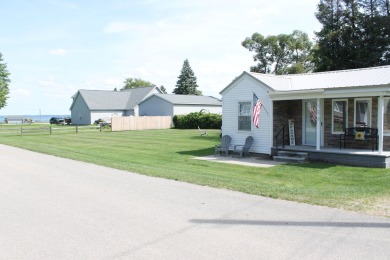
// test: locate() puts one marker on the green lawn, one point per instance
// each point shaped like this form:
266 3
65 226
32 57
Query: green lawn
169 154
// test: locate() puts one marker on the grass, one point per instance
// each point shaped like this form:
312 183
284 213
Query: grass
169 154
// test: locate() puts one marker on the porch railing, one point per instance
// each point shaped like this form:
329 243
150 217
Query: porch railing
277 137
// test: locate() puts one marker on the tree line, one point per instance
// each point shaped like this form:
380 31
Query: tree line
354 34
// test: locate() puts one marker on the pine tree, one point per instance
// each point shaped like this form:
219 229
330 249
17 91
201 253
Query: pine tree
186 84
4 82
355 34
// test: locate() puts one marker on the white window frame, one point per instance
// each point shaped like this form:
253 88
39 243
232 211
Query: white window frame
369 111
345 116
238 115
385 133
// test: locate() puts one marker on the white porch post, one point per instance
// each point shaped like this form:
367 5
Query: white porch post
271 121
318 127
380 124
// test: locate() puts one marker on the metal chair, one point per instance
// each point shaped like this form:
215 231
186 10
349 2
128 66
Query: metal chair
243 150
224 146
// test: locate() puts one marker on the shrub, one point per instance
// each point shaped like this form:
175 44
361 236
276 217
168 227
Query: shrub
195 119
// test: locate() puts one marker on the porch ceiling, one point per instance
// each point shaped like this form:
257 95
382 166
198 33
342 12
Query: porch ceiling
331 93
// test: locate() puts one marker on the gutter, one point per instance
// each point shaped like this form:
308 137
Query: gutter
296 92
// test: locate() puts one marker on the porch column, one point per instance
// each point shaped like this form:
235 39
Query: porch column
380 124
271 123
318 127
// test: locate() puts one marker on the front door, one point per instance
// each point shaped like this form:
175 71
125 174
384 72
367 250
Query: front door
310 122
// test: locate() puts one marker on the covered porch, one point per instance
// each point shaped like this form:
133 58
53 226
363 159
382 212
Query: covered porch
313 121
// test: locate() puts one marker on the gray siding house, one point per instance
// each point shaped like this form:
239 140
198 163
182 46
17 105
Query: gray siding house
320 106
170 105
91 105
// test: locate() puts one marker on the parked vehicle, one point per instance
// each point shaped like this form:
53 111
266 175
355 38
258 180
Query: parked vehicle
68 120
57 120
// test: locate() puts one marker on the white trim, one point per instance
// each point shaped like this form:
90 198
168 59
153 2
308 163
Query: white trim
380 124
385 133
369 110
352 93
318 126
238 115
320 119
345 116
271 125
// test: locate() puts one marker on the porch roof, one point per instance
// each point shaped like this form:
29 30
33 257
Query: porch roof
367 77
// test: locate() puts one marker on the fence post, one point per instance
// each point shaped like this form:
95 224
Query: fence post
50 130
100 128
21 131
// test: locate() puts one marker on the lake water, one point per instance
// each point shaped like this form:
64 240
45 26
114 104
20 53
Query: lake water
36 118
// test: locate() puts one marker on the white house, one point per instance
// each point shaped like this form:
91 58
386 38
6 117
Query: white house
91 105
321 106
170 105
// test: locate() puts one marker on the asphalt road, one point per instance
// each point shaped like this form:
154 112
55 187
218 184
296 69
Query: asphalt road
54 208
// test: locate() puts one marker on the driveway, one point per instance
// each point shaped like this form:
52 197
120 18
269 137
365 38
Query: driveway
54 208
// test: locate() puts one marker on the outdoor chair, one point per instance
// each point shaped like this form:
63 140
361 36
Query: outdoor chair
224 146
202 132
243 150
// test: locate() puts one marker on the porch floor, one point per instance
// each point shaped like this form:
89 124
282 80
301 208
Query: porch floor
351 157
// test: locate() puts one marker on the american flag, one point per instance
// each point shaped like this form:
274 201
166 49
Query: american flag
313 114
256 110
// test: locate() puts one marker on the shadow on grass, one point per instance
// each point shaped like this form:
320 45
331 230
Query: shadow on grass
312 165
199 152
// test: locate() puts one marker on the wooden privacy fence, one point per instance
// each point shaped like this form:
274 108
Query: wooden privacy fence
140 123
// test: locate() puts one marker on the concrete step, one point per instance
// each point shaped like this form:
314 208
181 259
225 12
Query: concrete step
290 159
293 154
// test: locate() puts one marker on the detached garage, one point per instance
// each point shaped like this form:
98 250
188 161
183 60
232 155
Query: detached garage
170 105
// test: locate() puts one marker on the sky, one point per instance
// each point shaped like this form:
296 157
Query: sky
53 48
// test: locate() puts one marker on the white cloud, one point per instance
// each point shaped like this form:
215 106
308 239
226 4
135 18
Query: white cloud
58 52
119 27
21 92
112 82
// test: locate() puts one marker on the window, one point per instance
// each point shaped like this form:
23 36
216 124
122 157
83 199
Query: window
386 116
339 115
244 116
362 112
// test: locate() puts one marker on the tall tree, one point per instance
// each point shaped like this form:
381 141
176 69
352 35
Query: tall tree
186 83
136 83
4 82
280 54
355 34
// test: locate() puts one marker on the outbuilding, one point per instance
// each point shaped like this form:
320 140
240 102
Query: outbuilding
91 105
170 105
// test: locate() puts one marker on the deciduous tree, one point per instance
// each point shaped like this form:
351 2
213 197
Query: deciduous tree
280 54
4 82
135 83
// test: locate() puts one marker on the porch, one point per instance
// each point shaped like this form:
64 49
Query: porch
350 157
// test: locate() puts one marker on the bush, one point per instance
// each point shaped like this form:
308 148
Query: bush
195 119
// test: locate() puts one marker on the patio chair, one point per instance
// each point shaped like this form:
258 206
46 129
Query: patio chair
224 146
243 150
202 132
